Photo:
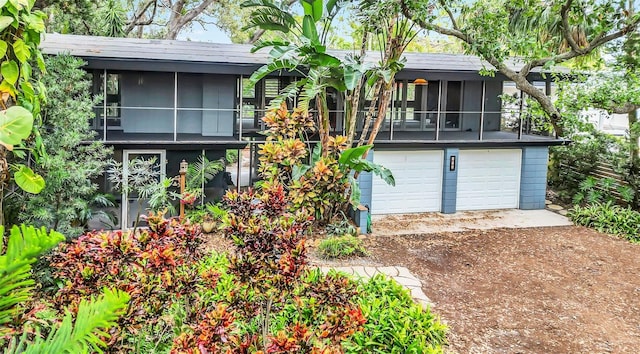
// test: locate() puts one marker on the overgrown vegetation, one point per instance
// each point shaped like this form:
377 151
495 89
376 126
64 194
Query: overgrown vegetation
609 218
68 163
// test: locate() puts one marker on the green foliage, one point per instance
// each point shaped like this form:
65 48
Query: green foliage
609 218
395 324
21 250
23 247
345 246
87 334
572 164
601 190
200 173
70 165
20 92
231 156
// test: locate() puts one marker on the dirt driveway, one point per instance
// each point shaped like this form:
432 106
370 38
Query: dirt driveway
542 290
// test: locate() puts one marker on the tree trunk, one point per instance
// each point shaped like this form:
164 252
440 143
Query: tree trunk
372 109
382 112
323 121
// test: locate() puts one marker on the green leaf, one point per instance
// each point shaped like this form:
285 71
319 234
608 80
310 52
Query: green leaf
351 77
15 125
298 171
10 71
3 2
331 4
309 29
269 68
5 21
355 192
353 153
313 8
21 50
321 59
316 154
29 181
3 48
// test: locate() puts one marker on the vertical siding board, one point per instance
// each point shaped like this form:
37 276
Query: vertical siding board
533 185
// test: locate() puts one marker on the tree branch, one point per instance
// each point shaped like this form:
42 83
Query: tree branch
566 30
454 24
135 21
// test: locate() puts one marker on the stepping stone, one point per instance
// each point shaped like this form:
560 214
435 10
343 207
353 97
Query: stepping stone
389 271
547 202
554 207
563 212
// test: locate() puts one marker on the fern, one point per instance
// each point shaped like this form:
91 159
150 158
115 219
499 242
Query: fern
23 247
92 321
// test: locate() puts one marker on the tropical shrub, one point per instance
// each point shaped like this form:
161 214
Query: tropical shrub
154 265
324 185
22 248
609 218
395 323
345 246
274 304
69 165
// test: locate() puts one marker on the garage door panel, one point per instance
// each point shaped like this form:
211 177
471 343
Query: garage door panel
488 179
418 176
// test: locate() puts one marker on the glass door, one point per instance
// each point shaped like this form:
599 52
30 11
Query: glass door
133 160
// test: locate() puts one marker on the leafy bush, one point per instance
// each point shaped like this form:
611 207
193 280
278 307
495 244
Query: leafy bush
155 265
395 323
609 218
572 164
341 247
24 245
601 190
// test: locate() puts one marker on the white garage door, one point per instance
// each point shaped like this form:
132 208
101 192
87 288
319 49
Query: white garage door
488 179
418 188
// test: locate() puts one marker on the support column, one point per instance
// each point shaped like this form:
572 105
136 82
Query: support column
365 181
533 177
450 181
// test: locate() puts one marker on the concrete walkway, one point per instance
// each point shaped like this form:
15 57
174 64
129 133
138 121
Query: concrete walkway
401 275
429 223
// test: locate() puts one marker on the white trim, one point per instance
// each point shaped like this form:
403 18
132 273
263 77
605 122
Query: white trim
175 106
241 108
484 87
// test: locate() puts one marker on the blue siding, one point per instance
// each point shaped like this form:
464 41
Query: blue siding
533 180
449 182
365 180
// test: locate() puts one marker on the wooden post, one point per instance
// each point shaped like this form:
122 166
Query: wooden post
183 172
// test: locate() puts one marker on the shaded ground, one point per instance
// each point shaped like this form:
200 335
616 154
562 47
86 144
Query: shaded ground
540 290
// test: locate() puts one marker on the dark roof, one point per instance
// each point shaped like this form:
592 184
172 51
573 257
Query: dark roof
93 48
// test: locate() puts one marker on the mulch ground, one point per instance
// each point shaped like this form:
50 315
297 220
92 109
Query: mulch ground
543 290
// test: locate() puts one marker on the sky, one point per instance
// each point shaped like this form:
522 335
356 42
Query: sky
210 33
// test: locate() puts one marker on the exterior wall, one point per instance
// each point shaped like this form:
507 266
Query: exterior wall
449 182
533 178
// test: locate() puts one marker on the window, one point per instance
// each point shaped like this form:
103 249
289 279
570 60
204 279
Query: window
112 98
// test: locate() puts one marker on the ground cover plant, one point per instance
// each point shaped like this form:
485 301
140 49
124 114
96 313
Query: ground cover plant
609 218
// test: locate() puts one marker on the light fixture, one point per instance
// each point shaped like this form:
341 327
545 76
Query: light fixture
184 165
420 82
452 163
